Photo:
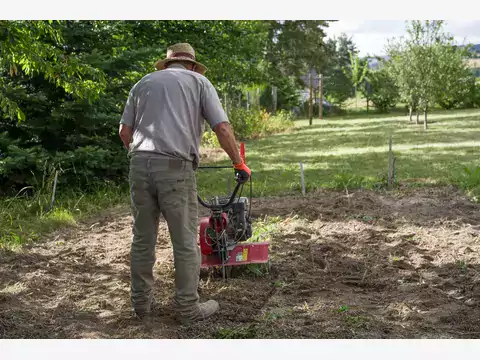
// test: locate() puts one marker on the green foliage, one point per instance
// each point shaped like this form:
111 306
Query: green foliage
469 180
210 140
254 123
295 46
454 77
243 332
34 48
472 99
338 87
381 89
356 71
428 68
288 95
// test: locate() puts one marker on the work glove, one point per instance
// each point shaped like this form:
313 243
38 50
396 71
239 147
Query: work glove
242 172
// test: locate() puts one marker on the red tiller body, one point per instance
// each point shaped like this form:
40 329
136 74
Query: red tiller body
234 251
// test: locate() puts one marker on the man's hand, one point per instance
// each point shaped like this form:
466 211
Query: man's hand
242 172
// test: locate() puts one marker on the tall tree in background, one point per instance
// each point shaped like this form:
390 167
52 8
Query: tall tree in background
338 86
296 46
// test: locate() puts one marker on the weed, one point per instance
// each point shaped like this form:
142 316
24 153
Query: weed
280 284
272 316
343 308
356 321
243 332
469 180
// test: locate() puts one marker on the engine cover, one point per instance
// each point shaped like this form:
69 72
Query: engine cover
234 221
241 225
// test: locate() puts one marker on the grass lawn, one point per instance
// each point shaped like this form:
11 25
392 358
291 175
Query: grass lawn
352 152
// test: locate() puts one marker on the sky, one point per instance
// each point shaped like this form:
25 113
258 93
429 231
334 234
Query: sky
371 36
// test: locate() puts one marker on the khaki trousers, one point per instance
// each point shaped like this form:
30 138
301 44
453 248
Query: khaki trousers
164 186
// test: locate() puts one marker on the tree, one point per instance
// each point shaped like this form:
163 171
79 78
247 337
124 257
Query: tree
454 77
33 48
356 72
404 75
296 46
380 88
427 65
338 86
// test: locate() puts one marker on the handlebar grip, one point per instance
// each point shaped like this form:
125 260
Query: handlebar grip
222 206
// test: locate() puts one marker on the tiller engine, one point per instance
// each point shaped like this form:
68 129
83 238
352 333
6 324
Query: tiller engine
225 233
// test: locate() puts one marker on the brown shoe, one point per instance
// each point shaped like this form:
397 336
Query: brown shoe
143 313
199 313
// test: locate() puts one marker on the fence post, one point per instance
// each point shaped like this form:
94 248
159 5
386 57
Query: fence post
390 164
310 107
302 179
320 95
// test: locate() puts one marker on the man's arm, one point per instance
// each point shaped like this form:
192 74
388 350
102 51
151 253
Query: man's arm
226 138
218 121
125 131
216 117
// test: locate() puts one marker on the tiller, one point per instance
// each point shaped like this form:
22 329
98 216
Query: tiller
225 233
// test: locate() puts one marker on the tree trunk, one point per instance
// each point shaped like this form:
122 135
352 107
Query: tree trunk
418 116
410 109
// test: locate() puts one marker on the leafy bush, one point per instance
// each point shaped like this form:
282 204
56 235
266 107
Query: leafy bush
82 167
460 92
338 88
472 100
470 181
209 139
254 123
381 90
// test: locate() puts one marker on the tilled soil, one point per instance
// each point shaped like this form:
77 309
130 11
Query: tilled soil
357 265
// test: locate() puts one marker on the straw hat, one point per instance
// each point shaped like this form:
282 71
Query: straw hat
183 52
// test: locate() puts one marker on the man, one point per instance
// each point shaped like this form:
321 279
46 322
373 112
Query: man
162 126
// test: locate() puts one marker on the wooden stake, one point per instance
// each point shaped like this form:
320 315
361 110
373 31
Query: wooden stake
302 179
54 189
390 163
310 108
320 96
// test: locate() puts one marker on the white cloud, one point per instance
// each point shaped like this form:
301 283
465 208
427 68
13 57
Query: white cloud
371 36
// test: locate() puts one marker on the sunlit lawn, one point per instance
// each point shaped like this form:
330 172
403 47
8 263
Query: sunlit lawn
346 152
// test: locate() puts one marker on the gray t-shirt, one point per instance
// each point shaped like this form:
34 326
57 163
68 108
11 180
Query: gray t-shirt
167 110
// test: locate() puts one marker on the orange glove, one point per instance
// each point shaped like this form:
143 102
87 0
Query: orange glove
242 172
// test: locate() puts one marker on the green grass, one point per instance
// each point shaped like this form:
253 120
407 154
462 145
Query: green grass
351 153
24 219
